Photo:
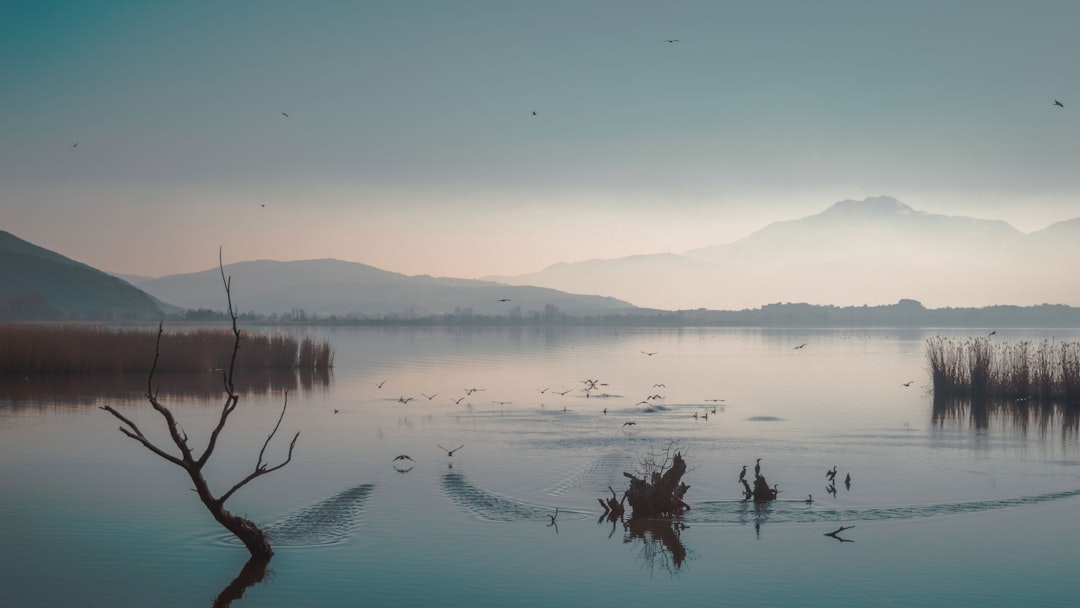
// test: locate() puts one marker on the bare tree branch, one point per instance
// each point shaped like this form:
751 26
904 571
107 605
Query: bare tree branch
137 435
251 535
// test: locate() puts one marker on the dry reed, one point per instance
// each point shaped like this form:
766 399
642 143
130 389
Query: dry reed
1019 371
39 349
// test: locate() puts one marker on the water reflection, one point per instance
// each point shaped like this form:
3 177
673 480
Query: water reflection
1044 417
90 389
254 571
659 542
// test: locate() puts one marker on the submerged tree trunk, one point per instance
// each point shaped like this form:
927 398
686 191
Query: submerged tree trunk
254 538
662 494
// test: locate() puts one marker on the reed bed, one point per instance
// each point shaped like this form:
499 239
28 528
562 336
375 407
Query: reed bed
40 349
1024 371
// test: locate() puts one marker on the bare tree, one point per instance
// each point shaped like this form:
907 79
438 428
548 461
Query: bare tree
254 538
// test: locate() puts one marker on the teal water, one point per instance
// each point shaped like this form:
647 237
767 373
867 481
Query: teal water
944 512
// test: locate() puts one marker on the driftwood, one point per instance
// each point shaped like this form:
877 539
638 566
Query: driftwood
613 507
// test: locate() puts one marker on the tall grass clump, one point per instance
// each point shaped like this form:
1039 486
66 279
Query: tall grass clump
42 349
1019 371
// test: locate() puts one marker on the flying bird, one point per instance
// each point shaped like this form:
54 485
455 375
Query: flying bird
75 145
1059 104
505 300
404 457
379 384
429 397
908 383
457 401
534 113
799 346
451 452
284 114
631 423
671 41
648 353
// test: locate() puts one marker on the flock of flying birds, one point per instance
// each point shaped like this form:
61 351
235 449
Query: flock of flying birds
590 385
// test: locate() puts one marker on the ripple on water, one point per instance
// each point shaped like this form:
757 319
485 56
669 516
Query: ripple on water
492 507
797 511
328 522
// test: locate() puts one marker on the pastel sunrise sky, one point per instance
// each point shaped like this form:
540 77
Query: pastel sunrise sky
411 142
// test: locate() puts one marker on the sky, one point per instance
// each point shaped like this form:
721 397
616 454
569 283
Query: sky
411 142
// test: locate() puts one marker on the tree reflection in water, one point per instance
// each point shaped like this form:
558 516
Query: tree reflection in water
660 540
254 571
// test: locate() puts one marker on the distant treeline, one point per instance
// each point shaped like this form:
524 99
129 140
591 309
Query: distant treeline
35 349
905 313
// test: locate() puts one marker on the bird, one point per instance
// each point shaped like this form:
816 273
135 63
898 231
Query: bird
831 474
1059 104
284 114
505 300
404 457
648 353
799 346
809 499
630 423
991 333
908 383
75 145
563 393
451 452
262 205
534 113
672 41
379 384
659 385
404 399
757 468
742 474
335 411
847 481
470 391
429 397
457 401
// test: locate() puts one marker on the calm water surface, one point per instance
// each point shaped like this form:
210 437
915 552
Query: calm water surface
945 512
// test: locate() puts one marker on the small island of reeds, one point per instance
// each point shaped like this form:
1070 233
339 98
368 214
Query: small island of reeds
46 349
979 368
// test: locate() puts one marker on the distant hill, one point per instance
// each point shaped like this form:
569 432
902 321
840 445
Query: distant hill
875 251
37 284
334 287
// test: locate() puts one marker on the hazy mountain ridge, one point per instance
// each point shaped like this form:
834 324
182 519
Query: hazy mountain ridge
334 287
40 284
874 251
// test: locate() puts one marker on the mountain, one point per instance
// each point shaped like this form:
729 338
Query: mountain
38 284
334 287
874 251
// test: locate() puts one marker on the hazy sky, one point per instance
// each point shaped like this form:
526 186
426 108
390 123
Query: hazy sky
411 144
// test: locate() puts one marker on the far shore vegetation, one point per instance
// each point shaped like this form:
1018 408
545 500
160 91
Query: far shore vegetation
31 349
905 313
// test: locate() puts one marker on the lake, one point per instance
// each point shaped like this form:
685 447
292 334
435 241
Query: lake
946 508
